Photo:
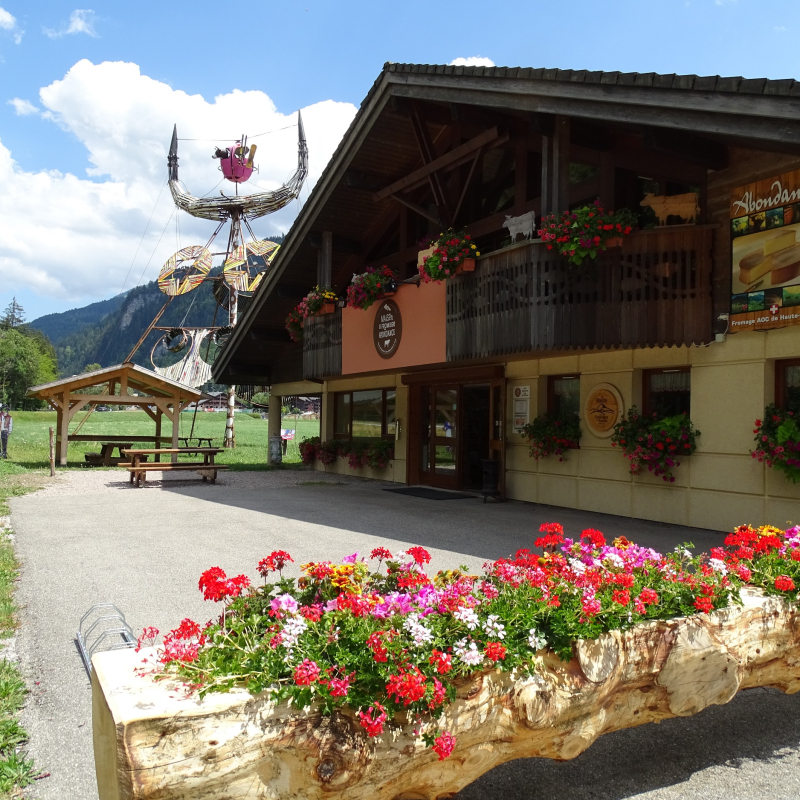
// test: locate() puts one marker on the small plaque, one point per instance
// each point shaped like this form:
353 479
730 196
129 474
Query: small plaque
603 409
388 328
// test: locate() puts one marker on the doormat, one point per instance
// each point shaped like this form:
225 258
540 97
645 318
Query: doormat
431 494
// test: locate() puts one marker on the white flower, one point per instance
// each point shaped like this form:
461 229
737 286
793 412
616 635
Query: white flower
536 640
718 566
468 617
292 629
468 653
418 632
494 628
615 560
578 567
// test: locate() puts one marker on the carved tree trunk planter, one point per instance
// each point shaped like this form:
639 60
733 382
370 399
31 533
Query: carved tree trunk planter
152 741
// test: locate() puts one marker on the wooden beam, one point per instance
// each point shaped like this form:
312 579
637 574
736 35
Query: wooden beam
448 159
467 182
325 260
420 210
686 147
341 244
423 137
561 164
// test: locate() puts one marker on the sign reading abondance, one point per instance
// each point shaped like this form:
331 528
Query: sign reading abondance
765 254
388 328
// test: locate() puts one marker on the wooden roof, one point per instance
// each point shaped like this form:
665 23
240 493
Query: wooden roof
380 147
138 378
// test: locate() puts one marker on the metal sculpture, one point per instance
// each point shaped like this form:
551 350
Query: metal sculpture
193 369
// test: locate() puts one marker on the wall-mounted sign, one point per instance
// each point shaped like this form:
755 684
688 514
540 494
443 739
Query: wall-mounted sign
522 407
603 409
765 254
388 328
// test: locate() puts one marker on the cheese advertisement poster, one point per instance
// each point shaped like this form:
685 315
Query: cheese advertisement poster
765 254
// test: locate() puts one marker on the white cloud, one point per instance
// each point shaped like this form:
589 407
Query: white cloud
472 61
9 23
80 21
73 238
23 108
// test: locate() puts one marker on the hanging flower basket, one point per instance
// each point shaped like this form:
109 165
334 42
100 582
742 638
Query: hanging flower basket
585 232
446 256
778 442
326 308
311 305
370 286
467 265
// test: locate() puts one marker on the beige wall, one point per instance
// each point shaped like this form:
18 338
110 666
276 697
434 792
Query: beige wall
720 486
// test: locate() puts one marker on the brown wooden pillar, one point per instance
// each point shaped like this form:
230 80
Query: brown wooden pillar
325 261
62 423
547 176
158 433
560 176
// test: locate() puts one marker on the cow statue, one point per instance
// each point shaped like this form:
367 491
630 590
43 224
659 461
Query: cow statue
684 206
524 224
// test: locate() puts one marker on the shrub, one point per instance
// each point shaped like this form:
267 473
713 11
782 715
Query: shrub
655 443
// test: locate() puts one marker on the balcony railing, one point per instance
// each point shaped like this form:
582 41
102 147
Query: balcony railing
322 346
656 290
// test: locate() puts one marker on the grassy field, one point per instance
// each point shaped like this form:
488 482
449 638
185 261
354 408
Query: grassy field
28 444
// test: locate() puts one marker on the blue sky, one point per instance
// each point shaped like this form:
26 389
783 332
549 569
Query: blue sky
63 244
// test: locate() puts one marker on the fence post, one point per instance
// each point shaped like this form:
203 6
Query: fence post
52 453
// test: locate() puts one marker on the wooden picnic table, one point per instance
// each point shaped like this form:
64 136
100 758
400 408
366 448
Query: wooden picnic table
206 469
106 456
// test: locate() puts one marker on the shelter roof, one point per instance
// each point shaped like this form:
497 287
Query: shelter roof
380 146
138 378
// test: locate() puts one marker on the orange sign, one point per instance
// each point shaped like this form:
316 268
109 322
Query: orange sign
603 409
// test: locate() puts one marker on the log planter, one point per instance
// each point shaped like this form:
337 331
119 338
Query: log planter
152 741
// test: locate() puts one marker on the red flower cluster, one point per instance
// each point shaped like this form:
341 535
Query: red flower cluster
372 719
215 585
783 583
407 686
274 562
443 662
306 673
495 651
444 745
420 555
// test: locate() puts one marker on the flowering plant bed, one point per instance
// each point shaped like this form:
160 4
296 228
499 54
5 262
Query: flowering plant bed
585 232
778 442
355 681
553 434
375 454
655 443
370 286
315 302
449 252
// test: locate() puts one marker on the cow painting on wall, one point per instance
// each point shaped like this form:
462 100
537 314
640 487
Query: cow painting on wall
684 206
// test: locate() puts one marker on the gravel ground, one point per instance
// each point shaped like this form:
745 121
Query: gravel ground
89 537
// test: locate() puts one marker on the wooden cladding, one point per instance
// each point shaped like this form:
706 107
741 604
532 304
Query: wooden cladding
655 290
322 346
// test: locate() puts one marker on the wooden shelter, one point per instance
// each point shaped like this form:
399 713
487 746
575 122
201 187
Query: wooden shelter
155 395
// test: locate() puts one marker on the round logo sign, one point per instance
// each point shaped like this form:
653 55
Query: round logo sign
603 409
388 328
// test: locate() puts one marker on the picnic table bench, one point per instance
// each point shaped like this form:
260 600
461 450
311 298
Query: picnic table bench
138 467
199 439
106 457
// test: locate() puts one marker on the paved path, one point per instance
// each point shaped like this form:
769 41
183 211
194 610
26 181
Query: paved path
90 538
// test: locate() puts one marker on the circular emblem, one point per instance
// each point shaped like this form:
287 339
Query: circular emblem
603 409
388 328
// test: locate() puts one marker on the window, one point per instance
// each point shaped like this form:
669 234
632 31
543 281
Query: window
564 394
666 392
365 415
787 385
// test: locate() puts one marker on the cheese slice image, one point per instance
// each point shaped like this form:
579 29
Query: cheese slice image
785 265
778 241
754 266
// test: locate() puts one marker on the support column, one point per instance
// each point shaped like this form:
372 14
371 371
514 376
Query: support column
273 420
561 164
176 422
62 422
325 261
159 414
547 170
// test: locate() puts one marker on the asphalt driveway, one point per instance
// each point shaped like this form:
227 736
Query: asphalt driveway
90 538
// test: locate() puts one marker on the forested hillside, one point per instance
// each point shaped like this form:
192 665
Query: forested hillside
57 326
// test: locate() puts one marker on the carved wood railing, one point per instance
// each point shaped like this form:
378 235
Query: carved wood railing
322 346
656 290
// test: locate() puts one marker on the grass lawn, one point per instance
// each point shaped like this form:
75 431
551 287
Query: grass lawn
28 445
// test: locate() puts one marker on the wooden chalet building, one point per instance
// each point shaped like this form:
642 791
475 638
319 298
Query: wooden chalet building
670 320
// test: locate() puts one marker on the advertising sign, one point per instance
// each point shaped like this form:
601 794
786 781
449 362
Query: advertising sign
603 409
387 329
522 407
765 248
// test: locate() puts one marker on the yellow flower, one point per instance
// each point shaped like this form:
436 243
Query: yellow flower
472 246
478 253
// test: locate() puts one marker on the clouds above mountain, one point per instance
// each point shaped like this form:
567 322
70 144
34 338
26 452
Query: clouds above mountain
71 236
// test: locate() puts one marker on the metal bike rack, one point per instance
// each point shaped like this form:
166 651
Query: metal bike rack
102 627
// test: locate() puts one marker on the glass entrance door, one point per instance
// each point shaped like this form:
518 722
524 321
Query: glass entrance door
440 431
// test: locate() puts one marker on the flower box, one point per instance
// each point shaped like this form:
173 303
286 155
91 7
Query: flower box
236 744
614 241
326 308
467 265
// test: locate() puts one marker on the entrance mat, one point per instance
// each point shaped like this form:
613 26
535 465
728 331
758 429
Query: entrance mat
431 494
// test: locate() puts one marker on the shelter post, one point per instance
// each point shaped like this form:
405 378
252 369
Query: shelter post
158 433
273 421
63 428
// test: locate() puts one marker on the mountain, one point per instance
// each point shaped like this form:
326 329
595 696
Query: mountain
57 326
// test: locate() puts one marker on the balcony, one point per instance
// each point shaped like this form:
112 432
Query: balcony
656 290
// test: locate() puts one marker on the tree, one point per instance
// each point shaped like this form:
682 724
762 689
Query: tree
22 364
14 315
260 399
97 389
